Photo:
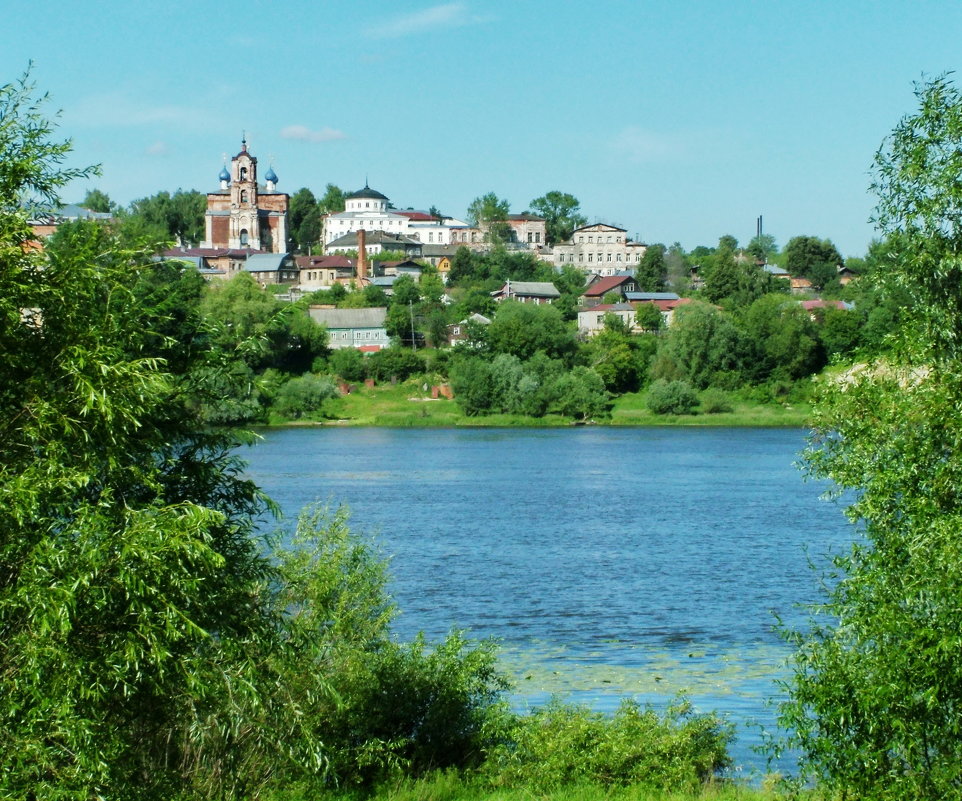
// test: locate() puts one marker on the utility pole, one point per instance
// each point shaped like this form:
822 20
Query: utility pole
414 344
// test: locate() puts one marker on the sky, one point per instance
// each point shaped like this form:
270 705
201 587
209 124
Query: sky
678 121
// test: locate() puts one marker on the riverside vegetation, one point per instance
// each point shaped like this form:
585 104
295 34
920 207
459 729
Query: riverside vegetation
153 646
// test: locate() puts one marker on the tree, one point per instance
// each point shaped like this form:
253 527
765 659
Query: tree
562 215
490 213
812 258
763 247
180 217
652 274
523 329
876 692
131 604
701 343
332 201
95 200
722 276
304 219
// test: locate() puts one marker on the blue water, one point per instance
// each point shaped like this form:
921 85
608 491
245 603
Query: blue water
608 562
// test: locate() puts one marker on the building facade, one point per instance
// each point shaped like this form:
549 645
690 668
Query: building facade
600 248
244 214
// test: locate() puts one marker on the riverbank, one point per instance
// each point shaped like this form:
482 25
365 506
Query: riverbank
410 405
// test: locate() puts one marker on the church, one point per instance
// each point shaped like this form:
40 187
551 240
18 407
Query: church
244 215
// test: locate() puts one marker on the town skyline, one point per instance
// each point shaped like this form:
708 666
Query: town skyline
678 122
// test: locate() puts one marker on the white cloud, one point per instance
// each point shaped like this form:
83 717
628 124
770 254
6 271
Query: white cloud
638 145
157 149
448 15
305 134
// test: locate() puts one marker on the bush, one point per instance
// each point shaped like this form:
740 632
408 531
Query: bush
302 395
671 397
563 744
716 401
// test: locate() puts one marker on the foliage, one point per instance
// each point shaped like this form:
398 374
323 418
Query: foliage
126 539
490 212
523 329
178 217
304 220
394 364
562 215
560 745
333 201
97 200
783 339
813 258
716 401
875 692
671 397
303 394
581 393
348 363
652 273
701 342
648 317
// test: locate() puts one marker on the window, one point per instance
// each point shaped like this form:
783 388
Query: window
609 257
530 237
561 258
537 236
618 257
581 239
243 195
581 257
243 173
590 255
243 237
591 239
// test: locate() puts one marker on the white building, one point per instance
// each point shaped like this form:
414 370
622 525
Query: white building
600 248
369 209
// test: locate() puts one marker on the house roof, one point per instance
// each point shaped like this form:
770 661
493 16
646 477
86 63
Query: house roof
337 260
265 262
774 269
608 307
372 238
646 296
607 284
534 289
367 193
350 318
598 227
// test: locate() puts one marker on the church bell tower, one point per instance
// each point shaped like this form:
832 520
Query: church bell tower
244 223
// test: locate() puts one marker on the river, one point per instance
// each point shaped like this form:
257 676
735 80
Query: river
608 562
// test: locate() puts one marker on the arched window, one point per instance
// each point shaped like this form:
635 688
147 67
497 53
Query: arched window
243 195
243 237
243 173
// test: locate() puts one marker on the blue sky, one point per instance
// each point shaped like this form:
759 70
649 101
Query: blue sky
680 121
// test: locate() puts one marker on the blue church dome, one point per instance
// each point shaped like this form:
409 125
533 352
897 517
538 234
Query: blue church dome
271 175
224 175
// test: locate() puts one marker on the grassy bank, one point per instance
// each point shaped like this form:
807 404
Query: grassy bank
410 405
452 787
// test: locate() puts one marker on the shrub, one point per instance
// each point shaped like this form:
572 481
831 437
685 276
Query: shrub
563 744
716 401
304 394
671 397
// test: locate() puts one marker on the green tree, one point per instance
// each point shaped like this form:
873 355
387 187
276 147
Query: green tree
701 343
130 603
562 215
812 258
304 220
333 201
652 273
96 200
523 329
876 692
762 247
180 217
722 276
489 212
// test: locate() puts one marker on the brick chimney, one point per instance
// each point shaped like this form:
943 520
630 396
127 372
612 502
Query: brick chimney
361 255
